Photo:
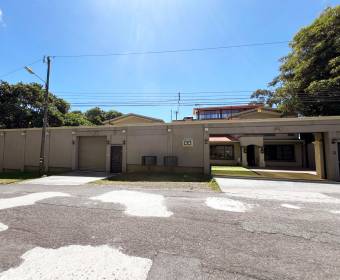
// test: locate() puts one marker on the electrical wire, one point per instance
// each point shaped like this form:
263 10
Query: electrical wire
20 68
173 51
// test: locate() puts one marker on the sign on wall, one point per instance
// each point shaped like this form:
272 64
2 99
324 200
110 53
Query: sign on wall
188 142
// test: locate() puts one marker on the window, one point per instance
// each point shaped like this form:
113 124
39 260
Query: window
279 152
208 115
223 152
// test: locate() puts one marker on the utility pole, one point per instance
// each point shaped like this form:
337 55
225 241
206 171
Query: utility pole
178 103
45 119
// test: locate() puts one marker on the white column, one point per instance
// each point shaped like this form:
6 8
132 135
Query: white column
244 156
206 151
319 156
74 151
108 153
262 162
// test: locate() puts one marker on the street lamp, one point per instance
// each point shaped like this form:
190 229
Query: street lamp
45 119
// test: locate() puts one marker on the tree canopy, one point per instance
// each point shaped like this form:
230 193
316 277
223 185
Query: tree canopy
309 78
97 116
21 106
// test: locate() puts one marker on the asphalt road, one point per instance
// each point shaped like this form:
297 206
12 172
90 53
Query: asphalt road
267 241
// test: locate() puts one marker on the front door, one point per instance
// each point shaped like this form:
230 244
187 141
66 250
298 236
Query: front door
116 159
251 155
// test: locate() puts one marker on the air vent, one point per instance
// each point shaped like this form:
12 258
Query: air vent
149 160
170 161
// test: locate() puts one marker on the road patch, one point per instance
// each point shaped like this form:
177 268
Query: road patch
137 203
78 262
227 204
3 227
28 199
290 206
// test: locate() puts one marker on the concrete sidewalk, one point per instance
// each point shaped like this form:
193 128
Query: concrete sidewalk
67 179
285 185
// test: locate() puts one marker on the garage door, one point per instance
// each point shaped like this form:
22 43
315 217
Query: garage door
92 153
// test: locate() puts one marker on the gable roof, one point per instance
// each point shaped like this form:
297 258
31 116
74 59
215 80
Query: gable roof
268 111
140 118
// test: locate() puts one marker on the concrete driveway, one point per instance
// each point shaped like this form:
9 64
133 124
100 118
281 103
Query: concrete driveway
68 179
227 184
110 232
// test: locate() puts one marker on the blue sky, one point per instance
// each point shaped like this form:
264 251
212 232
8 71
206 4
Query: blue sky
31 29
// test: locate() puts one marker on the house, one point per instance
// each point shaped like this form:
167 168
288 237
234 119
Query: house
132 119
222 112
285 150
256 113
187 146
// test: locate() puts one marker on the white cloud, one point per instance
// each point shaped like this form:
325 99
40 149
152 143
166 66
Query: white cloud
2 22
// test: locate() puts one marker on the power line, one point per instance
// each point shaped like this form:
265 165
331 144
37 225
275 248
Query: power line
173 98
20 68
151 52
160 104
101 92
174 51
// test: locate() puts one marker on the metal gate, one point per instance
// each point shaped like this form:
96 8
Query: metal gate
116 159
92 153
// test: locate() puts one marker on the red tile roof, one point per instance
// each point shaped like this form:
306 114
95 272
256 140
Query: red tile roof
223 138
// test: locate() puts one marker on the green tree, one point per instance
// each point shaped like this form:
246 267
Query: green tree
21 106
95 115
111 114
309 79
76 118
262 96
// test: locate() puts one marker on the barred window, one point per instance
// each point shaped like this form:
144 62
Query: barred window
279 152
223 152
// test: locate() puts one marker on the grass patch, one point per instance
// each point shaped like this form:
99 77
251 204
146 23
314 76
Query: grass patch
214 186
240 171
16 176
163 178
156 177
232 171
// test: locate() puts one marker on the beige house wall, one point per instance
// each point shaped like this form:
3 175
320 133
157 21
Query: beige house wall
14 150
60 149
33 139
331 156
2 150
188 156
259 115
149 141
19 148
